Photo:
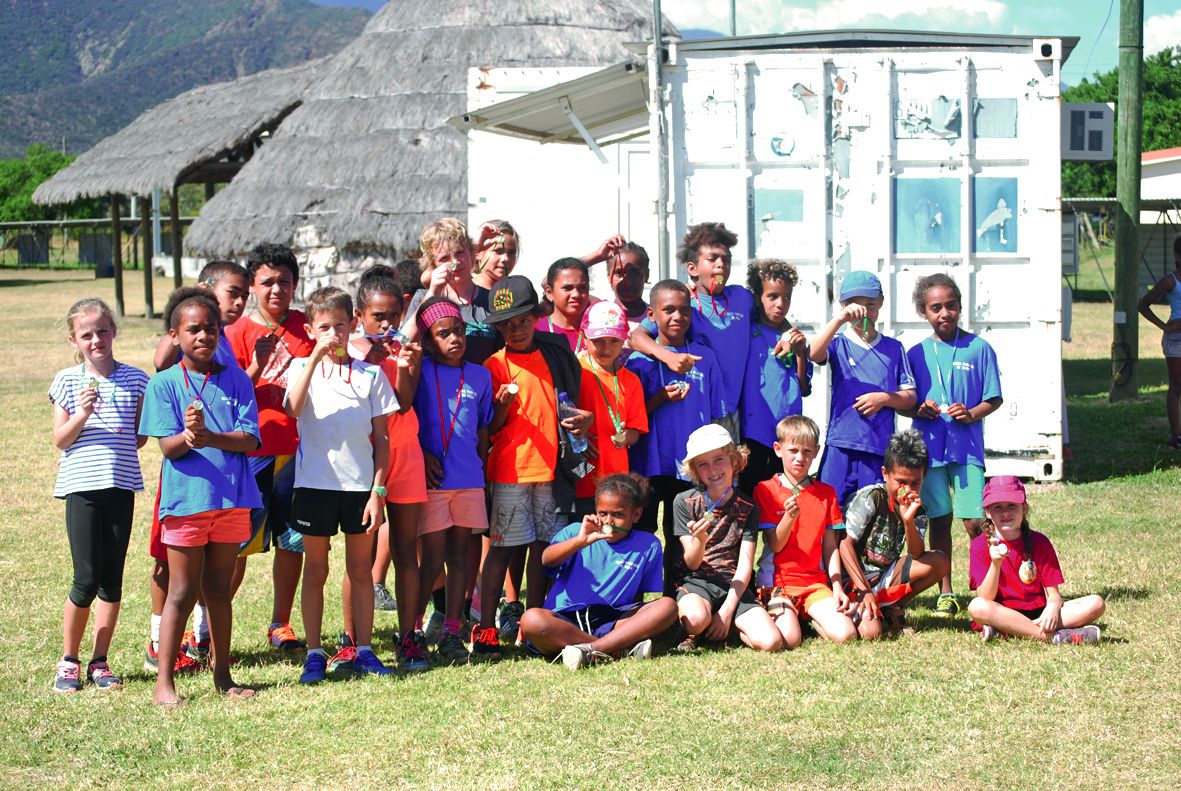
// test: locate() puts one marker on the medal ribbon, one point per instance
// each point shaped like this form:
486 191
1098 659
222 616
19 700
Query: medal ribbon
616 420
447 435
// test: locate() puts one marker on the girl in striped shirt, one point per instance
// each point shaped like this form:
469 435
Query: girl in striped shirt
96 406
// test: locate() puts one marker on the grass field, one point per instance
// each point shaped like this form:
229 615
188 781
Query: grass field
934 710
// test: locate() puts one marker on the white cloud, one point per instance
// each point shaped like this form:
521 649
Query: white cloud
775 16
1161 32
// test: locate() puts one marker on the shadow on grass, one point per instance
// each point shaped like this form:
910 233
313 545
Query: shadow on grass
1124 593
6 283
1093 377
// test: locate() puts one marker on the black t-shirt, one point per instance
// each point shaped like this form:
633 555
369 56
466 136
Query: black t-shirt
735 522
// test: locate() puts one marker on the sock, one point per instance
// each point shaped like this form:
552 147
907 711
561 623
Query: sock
363 648
319 651
156 631
201 622
451 625
97 659
439 599
74 659
418 624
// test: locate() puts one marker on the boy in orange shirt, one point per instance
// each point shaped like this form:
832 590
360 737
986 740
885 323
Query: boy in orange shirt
527 376
612 394
800 571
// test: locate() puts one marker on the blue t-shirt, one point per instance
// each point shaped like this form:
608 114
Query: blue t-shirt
724 325
963 372
659 452
858 369
462 468
203 479
223 354
613 574
771 391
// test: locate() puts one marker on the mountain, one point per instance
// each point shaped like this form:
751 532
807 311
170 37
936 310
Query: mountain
82 69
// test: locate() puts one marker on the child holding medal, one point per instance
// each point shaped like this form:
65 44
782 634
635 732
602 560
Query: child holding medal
958 384
612 394
96 407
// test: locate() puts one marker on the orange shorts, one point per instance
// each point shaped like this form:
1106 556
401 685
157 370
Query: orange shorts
801 596
223 526
453 508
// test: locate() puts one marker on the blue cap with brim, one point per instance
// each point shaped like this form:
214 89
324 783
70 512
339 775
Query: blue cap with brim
860 283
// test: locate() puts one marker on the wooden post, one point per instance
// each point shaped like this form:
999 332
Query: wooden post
210 188
117 255
174 232
145 231
1125 318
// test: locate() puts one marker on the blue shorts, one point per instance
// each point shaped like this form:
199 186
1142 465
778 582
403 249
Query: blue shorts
964 481
271 524
598 619
849 470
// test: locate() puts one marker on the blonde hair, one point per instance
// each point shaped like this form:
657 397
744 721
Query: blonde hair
797 428
739 455
447 231
81 308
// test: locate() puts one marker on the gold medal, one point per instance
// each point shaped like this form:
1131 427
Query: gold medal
619 438
1027 572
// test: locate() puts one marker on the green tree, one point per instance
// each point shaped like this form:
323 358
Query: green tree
20 177
1162 120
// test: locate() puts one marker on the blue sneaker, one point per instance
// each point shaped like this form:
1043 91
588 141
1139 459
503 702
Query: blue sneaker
367 663
315 668
412 653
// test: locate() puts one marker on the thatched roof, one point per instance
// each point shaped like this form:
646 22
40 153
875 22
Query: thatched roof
170 141
368 158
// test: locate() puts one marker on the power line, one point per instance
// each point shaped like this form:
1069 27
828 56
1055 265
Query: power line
1095 43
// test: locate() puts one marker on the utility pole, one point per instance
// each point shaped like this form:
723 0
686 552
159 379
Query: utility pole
1125 319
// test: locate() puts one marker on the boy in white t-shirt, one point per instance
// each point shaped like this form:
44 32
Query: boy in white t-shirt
341 406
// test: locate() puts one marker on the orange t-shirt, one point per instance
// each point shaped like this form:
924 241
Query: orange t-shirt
525 450
276 428
800 562
629 408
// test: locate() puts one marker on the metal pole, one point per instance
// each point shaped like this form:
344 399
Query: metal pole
174 232
1125 322
733 18
145 230
657 133
117 256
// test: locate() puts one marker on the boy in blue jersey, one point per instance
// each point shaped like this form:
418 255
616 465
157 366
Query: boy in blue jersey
677 404
871 379
958 384
601 569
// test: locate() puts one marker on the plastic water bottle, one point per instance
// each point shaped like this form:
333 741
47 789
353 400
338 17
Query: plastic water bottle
567 409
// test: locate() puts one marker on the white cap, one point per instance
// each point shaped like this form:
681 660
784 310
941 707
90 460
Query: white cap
703 440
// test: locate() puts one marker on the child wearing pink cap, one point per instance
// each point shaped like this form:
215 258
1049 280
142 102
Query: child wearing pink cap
612 394
1014 571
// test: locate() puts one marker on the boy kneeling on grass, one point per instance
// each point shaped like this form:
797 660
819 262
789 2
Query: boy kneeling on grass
602 568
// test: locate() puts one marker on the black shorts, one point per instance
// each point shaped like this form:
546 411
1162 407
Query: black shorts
1032 615
716 595
320 512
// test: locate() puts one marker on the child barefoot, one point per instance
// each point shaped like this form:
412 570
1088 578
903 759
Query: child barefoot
96 407
1015 573
602 568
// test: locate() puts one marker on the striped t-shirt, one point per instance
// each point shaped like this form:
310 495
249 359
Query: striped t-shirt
104 455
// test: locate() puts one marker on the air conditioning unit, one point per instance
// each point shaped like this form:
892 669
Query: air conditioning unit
1088 132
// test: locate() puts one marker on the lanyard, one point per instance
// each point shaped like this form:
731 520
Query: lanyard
100 401
577 340
448 435
719 312
346 364
276 329
189 383
951 368
709 507
796 487
616 419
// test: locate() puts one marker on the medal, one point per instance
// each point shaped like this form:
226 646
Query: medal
512 388
92 384
1027 572
619 438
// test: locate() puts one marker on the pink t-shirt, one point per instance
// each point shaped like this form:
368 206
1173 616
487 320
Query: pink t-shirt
1011 591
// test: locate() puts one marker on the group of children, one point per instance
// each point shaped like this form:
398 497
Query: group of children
453 424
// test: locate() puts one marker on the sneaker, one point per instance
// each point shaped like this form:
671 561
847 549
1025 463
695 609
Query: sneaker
367 664
686 646
100 674
1075 636
412 653
283 638
67 678
342 660
434 627
1175 442
485 643
315 668
947 606
194 649
988 633
510 620
641 650
577 656
183 664
383 599
451 650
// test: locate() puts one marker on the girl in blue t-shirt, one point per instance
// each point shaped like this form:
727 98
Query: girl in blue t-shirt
958 384
96 405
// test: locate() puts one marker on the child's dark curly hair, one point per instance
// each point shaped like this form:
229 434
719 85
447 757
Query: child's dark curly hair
769 269
185 296
925 284
632 487
702 234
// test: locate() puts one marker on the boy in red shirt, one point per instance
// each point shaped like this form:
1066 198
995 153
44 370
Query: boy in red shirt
800 517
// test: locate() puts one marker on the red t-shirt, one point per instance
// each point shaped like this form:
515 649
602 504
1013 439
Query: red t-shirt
276 428
801 561
1011 591
525 450
629 408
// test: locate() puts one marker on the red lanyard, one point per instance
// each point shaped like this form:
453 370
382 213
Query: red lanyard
448 434
713 303
189 384
348 360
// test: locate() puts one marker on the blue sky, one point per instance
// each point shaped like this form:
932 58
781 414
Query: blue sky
1097 50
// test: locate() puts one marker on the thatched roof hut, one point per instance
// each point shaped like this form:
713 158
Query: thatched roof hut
205 134
368 159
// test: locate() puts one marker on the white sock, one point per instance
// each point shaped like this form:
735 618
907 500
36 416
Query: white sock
361 648
156 631
319 651
201 622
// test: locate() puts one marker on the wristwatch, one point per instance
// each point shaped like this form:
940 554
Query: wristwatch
380 490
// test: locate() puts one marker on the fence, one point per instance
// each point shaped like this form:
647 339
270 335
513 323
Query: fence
78 244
